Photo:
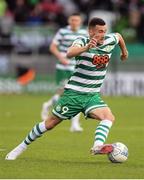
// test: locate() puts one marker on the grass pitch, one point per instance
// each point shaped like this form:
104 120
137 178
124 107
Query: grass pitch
60 154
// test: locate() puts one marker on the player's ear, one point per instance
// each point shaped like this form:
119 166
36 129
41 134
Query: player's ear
90 30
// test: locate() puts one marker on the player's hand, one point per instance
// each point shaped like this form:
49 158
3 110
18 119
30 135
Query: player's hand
124 55
64 61
92 43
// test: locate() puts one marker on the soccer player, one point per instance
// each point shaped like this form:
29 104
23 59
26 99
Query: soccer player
65 67
82 92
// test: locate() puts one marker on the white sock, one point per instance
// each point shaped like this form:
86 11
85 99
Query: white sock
23 145
42 126
102 132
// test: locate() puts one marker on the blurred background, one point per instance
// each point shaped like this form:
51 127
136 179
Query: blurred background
28 26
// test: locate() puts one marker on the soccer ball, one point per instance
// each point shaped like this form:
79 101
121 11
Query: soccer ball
119 154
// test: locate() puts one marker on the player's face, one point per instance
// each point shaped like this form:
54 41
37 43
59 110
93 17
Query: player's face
99 32
74 22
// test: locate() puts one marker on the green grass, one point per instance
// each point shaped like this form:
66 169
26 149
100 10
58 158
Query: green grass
65 155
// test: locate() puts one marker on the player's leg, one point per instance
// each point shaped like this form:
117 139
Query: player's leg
97 109
106 120
37 131
64 109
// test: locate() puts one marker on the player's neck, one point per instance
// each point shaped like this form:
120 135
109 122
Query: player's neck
75 29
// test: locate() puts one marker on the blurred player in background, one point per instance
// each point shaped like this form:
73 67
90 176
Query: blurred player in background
65 67
82 92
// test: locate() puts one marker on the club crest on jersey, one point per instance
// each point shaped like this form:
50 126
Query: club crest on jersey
58 108
100 61
108 48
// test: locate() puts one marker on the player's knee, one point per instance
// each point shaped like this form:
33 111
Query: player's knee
51 122
50 126
110 117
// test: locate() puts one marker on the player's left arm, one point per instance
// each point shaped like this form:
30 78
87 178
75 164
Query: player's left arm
122 45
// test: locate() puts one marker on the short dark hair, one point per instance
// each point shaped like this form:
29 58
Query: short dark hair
96 21
75 14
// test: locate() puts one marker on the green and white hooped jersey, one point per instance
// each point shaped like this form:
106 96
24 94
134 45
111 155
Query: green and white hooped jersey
64 39
91 66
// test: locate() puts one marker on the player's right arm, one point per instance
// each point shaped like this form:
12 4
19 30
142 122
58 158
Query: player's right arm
76 50
79 47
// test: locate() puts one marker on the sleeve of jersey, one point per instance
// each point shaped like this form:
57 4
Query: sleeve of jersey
78 42
58 37
116 38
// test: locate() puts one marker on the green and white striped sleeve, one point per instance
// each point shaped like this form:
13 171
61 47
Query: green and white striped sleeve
79 42
116 38
58 37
